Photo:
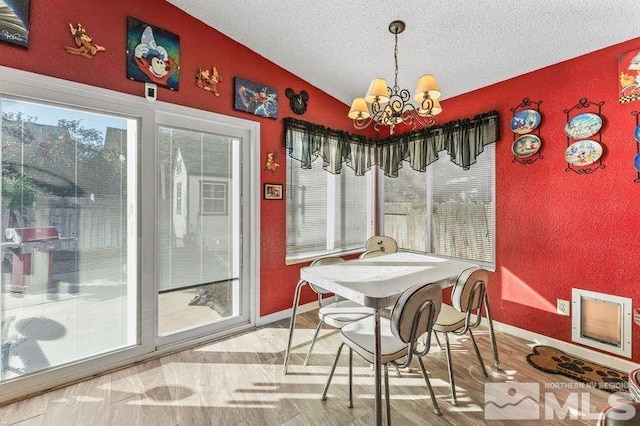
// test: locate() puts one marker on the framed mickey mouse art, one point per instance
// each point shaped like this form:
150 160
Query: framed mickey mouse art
153 54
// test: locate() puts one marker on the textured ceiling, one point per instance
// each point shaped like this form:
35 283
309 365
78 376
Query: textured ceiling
339 46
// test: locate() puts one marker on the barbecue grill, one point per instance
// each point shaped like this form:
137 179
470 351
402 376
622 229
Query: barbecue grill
32 252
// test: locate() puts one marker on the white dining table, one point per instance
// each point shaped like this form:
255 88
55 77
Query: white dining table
378 282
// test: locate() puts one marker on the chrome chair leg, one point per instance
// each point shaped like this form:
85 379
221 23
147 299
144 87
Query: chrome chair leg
475 347
433 396
386 393
496 360
313 342
437 340
296 300
333 369
350 402
398 372
454 400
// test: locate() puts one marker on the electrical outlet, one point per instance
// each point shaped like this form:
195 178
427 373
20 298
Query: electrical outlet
563 307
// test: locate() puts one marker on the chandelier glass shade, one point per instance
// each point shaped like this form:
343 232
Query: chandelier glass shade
385 105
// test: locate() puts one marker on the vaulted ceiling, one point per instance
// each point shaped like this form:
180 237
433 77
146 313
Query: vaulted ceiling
339 46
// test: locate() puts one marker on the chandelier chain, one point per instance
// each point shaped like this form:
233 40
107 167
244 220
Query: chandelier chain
395 58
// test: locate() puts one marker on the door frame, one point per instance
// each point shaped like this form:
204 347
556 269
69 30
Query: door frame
249 133
41 88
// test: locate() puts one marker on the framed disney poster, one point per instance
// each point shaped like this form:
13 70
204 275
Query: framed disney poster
255 98
629 76
153 54
14 22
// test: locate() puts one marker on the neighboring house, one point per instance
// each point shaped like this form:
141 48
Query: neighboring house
201 211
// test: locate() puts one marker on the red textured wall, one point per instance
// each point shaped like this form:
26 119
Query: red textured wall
200 47
558 230
555 230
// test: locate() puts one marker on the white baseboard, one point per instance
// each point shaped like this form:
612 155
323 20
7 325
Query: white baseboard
582 352
277 316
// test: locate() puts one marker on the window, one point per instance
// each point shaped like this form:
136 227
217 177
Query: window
446 211
214 198
326 213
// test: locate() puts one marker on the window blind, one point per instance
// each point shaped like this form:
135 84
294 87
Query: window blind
446 211
326 213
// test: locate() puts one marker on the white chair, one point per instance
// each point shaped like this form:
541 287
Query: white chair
335 314
620 414
468 298
381 243
413 316
372 253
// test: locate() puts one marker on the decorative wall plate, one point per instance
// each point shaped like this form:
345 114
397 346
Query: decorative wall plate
525 121
526 145
637 134
636 162
583 153
583 125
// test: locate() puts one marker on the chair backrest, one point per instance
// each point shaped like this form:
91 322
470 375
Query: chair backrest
623 413
468 292
325 260
382 243
415 312
372 253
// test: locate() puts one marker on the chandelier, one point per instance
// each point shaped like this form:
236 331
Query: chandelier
389 106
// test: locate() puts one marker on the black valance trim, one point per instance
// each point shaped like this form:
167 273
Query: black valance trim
463 140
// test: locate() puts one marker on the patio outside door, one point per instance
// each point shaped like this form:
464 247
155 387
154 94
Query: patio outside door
199 243
69 239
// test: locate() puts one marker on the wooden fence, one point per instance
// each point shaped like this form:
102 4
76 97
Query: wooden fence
95 225
461 230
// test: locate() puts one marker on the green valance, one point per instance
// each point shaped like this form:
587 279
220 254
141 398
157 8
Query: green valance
463 140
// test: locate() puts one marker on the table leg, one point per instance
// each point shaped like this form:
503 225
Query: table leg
496 360
296 300
377 366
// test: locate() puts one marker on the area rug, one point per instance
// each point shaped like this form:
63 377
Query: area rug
555 361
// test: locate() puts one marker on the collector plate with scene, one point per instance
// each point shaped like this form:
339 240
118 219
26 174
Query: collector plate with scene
637 134
583 153
583 125
636 162
526 146
525 121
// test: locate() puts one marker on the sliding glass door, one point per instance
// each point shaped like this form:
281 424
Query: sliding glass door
127 229
201 285
69 235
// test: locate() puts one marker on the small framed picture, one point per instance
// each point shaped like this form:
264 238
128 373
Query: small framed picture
272 191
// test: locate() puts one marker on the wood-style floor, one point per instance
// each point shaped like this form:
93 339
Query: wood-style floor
239 381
